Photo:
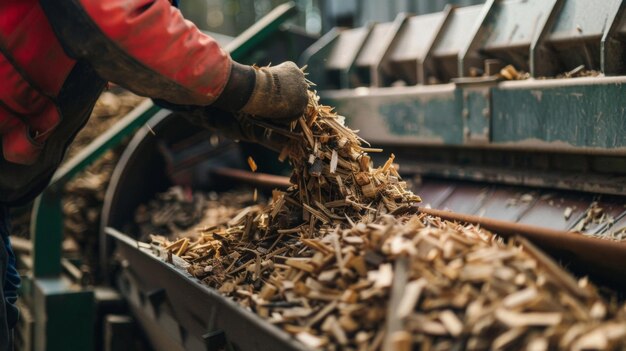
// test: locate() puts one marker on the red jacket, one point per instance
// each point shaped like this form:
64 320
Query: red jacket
55 57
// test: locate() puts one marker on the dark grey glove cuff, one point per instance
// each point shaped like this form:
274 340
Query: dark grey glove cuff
238 89
235 126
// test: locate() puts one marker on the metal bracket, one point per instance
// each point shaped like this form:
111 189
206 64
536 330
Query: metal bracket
476 114
215 340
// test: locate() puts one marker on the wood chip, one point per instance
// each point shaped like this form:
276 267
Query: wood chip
516 319
451 322
383 277
333 162
520 297
252 164
411 297
310 340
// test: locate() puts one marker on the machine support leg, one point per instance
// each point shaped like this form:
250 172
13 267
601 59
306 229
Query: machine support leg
64 315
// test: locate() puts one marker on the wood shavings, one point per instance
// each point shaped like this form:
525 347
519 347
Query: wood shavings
179 212
252 164
334 265
511 73
596 215
579 71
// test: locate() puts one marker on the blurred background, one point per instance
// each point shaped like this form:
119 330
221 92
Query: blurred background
231 17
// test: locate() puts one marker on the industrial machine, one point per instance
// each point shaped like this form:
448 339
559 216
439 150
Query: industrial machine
539 142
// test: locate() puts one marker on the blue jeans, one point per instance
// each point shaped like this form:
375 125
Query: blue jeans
10 282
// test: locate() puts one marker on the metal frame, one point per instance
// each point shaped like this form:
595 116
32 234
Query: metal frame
576 34
612 49
452 39
419 33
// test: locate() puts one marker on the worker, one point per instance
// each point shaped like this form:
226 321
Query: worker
56 57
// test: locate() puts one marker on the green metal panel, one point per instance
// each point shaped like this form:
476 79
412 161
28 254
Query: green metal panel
555 115
64 316
422 115
434 121
591 114
47 228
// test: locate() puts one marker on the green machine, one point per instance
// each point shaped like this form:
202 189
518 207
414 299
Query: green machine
59 313
430 87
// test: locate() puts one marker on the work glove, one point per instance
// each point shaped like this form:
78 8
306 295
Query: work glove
280 92
276 93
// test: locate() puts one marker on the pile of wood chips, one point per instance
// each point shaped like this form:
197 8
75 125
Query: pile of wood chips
342 261
178 211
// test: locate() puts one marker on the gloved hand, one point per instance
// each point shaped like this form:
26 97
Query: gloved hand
277 93
280 92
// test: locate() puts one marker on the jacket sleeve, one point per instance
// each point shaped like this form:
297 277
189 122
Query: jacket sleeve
144 45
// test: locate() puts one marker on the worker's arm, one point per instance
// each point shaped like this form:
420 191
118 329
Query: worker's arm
148 47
